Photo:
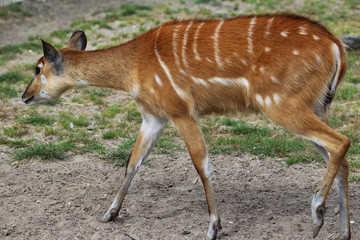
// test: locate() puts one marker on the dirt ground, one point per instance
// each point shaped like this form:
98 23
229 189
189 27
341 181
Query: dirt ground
257 199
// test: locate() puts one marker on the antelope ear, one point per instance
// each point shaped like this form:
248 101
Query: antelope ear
51 54
78 40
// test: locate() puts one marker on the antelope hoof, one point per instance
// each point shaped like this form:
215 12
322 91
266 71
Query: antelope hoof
214 227
319 221
110 215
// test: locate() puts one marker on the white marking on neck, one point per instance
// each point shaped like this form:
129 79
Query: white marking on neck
199 81
40 65
176 29
267 101
184 44
267 49
276 98
196 36
284 33
259 99
82 83
216 44
267 32
43 79
250 34
295 52
158 80
209 60
315 37
274 79
302 31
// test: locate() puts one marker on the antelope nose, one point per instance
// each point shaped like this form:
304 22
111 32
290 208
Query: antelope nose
27 100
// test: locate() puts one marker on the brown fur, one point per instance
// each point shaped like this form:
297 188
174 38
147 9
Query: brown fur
298 66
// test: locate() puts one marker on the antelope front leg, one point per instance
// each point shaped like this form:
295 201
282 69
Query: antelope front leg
149 133
194 140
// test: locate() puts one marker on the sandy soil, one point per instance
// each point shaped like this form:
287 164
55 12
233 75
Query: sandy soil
257 199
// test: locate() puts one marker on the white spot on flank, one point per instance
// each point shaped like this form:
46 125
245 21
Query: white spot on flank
184 44
262 69
216 44
183 72
284 33
276 98
250 34
134 91
199 81
267 101
196 36
267 32
209 60
83 83
259 99
40 65
315 37
176 29
152 91
274 79
231 81
43 79
302 31
253 67
180 93
296 52
267 49
318 59
158 80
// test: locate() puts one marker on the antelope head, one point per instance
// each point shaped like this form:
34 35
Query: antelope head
52 75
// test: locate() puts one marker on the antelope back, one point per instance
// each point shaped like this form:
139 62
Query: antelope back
268 62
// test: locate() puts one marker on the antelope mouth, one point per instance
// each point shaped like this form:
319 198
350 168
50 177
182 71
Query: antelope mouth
29 101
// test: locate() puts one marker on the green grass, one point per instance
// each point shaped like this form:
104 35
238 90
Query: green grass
7 91
45 152
120 155
12 77
347 93
111 111
37 120
15 131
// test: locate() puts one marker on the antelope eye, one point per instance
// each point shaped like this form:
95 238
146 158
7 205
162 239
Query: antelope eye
37 70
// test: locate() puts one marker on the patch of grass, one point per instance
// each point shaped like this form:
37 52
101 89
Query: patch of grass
111 134
120 155
13 10
240 127
347 93
61 34
47 151
111 111
133 115
7 91
21 143
130 9
68 120
37 120
15 131
12 77
204 1
95 95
